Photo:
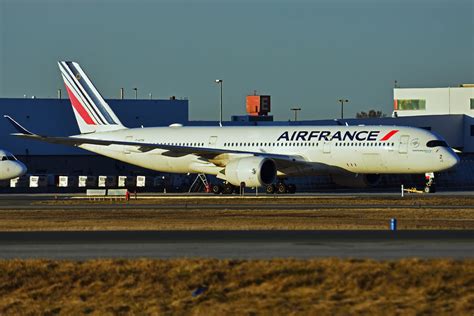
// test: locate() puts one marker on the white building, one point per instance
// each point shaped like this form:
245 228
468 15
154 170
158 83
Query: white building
434 101
447 111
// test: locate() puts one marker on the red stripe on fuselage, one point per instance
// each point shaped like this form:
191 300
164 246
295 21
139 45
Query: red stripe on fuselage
389 135
79 108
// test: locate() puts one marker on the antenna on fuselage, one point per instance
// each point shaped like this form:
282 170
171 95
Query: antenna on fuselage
338 122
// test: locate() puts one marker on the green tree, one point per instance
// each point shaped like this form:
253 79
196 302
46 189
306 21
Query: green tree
370 114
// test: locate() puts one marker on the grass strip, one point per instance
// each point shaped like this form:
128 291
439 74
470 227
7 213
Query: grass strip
229 287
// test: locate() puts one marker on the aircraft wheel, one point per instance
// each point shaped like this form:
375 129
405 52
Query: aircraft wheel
228 188
216 189
430 189
291 188
281 188
270 189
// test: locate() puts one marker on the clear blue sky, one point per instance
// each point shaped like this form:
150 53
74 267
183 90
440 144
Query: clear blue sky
305 53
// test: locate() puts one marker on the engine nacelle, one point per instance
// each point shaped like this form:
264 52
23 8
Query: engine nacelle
357 180
254 171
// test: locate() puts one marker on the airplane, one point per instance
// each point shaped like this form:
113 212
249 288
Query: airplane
250 156
10 167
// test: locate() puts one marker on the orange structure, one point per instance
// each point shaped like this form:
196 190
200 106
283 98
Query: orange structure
258 105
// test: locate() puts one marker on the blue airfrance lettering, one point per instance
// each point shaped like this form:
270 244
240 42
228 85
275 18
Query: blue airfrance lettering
328 136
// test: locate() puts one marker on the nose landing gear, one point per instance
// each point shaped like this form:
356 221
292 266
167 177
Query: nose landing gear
430 183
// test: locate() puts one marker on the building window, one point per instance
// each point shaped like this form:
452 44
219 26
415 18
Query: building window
472 104
403 105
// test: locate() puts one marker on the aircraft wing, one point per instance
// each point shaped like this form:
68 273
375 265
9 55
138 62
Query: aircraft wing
282 161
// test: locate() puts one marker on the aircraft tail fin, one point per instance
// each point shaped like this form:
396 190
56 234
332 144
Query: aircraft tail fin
92 113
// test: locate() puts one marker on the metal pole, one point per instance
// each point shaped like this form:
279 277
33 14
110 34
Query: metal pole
342 107
220 82
220 121
296 112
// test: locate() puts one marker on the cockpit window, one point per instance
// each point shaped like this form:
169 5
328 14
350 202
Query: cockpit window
8 157
436 143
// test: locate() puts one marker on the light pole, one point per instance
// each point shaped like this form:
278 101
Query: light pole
296 112
342 107
220 81
136 93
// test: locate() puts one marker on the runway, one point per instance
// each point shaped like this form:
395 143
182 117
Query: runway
237 244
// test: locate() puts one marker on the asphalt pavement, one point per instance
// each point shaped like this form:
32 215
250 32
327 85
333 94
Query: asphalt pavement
237 244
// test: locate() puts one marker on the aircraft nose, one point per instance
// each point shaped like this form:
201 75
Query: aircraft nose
20 169
452 159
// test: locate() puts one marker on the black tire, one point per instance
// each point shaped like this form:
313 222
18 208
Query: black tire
216 189
281 188
228 189
291 188
270 189
427 189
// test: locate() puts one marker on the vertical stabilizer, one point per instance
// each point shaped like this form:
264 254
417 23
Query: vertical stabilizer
92 113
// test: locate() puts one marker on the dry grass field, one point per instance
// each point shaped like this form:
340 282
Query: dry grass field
316 200
177 213
261 287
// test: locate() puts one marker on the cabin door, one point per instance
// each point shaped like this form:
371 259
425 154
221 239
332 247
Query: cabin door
403 149
327 147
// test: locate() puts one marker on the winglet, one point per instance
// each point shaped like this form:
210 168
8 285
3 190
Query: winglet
18 127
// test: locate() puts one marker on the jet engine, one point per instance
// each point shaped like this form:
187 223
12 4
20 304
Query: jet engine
357 180
254 171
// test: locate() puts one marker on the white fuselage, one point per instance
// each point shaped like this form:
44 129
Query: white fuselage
325 149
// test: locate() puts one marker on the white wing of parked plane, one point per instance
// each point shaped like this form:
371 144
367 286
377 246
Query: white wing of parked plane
282 161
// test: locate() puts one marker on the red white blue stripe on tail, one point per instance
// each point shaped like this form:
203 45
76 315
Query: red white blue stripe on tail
91 110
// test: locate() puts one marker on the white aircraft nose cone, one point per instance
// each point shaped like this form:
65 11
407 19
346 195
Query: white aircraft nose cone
18 170
22 168
453 160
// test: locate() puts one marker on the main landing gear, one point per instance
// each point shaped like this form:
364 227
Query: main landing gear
280 188
430 183
224 188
